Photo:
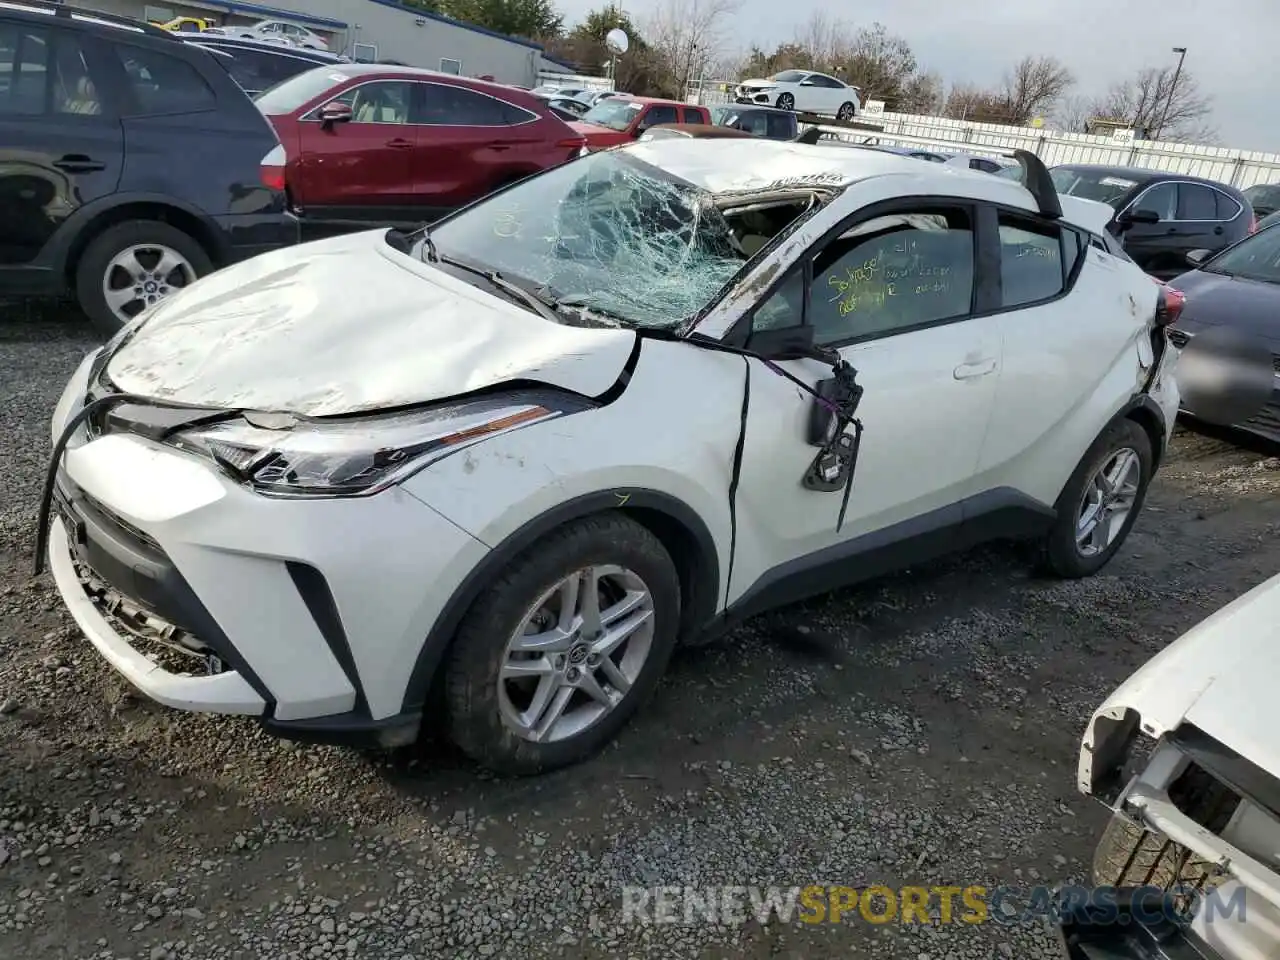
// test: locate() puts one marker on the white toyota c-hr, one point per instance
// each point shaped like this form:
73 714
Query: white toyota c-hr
486 479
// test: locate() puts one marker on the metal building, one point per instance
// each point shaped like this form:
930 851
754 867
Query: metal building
370 30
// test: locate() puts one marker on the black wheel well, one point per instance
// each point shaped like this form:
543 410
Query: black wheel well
1152 425
175 217
698 582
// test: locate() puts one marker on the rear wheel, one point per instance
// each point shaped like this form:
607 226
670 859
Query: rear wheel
556 656
132 266
1102 499
846 112
786 102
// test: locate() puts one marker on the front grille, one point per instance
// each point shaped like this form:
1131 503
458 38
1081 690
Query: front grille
165 644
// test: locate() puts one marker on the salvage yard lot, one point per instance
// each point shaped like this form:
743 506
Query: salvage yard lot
919 730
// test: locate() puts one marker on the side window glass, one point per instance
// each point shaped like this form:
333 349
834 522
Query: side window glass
1162 199
1030 261
74 91
784 308
164 84
893 273
514 116
780 127
657 115
1196 202
441 104
691 116
24 70
383 102
1225 207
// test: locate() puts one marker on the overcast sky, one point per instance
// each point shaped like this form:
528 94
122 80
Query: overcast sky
1230 45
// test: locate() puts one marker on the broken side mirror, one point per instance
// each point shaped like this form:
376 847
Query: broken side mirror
335 112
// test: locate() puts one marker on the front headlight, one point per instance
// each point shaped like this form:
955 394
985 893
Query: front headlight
281 455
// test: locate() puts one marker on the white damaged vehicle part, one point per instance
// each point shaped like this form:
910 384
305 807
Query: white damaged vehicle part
1187 754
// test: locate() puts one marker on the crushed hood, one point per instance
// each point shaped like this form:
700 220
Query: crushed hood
348 325
1221 676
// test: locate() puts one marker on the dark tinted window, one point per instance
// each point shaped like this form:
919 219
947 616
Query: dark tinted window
987 166
1196 202
691 116
163 84
1162 200
24 70
781 126
1227 207
753 121
441 104
893 273
257 70
660 114
1030 261
821 81
513 115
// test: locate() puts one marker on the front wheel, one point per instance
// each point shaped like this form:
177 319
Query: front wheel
786 102
554 658
1098 506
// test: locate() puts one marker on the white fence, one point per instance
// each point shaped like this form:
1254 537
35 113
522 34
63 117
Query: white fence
1240 168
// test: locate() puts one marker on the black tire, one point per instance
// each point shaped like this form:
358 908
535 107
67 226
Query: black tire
786 101
472 665
1061 555
846 112
102 249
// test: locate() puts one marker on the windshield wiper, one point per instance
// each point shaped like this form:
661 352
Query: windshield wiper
531 300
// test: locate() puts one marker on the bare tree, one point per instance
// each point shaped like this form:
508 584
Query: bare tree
921 94
823 39
689 35
966 102
1072 114
1034 86
1152 101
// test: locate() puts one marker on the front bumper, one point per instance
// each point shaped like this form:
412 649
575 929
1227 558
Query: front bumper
307 614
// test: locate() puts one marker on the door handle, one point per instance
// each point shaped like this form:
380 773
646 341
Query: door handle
399 143
1171 231
1218 230
500 145
979 368
79 163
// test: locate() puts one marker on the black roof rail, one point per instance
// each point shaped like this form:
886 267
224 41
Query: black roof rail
1035 177
113 19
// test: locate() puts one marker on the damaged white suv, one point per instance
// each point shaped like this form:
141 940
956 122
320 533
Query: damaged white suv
485 479
1186 753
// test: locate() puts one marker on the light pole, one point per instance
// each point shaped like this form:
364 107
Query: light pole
1168 101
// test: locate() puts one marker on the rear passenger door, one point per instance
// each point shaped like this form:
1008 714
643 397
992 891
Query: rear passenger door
1063 328
61 145
654 115
467 144
1200 226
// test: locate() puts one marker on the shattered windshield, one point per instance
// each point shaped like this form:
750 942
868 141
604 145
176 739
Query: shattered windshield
614 114
606 232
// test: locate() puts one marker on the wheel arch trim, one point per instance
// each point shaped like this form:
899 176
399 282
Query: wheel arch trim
661 513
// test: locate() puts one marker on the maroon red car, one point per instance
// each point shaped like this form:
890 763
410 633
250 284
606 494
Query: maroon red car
370 144
622 118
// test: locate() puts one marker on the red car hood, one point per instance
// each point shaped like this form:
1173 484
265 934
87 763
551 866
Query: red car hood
598 136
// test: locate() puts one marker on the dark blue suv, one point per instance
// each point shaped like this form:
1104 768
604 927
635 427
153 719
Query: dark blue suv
130 162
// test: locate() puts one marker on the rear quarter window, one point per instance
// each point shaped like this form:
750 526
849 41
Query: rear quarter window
160 83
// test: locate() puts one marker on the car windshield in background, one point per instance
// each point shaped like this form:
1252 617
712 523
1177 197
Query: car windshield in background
288 96
1254 258
789 76
614 114
606 232
1097 185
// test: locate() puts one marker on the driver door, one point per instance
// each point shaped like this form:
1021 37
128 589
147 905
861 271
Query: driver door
1154 246
894 292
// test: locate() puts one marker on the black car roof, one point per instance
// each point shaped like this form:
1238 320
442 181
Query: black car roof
751 107
1142 175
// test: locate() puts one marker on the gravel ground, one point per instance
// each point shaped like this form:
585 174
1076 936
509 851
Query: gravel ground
922 730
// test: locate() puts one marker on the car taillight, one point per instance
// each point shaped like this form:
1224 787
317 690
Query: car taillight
271 170
1169 307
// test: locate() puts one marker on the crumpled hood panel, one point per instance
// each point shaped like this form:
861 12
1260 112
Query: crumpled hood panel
1221 675
347 325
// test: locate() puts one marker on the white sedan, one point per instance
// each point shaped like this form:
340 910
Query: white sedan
804 91
282 31
621 405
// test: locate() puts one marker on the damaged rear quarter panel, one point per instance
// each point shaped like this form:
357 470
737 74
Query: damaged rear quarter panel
672 430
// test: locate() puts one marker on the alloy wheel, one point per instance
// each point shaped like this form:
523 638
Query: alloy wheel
786 102
1108 500
576 655
142 275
